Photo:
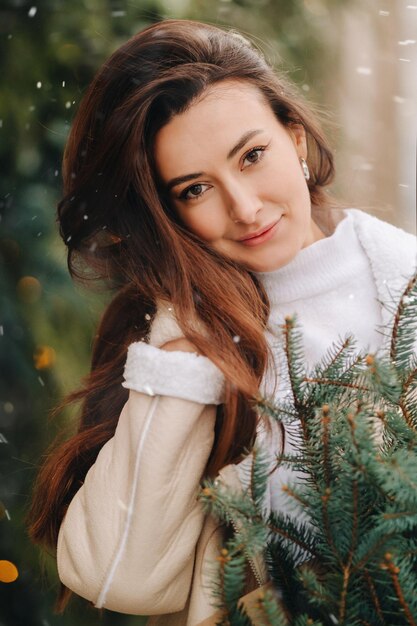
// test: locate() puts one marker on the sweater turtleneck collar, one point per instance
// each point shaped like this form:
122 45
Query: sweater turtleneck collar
319 267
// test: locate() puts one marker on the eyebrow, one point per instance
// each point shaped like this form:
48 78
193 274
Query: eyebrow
242 142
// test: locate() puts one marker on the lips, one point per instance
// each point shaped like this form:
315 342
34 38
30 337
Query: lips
258 232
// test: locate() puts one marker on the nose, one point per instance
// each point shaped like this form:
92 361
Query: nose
244 203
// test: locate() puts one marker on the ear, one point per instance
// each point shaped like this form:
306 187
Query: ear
298 135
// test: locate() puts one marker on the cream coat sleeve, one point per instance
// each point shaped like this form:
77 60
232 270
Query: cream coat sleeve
128 539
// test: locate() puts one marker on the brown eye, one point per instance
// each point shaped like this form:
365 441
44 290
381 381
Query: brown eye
193 192
254 155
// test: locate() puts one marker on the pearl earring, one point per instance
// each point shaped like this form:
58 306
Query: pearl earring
305 168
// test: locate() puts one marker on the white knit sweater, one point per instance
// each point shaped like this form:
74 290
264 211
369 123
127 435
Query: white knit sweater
336 286
330 288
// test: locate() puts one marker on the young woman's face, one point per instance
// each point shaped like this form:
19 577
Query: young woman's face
232 169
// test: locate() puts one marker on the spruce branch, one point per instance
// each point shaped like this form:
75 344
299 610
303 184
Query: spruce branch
394 571
348 553
374 596
404 328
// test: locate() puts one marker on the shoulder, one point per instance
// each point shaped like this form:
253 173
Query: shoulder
164 327
392 251
377 233
175 371
392 255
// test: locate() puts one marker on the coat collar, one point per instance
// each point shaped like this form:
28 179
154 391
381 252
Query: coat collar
392 255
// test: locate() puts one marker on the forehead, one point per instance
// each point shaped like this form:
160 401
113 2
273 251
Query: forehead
211 125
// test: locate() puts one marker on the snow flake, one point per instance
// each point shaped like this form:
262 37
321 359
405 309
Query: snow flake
148 389
411 6
351 296
32 11
398 99
39 84
118 13
8 407
68 104
405 60
1 330
407 42
147 317
68 238
63 83
366 167
1 123
85 216
3 439
383 13
41 381
236 338
403 185
364 71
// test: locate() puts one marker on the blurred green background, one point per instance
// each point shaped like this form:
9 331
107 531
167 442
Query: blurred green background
354 62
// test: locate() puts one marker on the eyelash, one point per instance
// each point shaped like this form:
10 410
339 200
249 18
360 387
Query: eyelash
183 194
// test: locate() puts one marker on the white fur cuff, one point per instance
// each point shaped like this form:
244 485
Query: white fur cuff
179 374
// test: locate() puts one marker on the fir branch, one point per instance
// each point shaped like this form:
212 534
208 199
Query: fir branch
325 420
347 569
404 326
268 611
335 362
292 351
336 383
291 537
394 570
374 596
259 474
372 551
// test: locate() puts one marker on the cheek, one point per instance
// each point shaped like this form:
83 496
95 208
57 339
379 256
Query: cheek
204 223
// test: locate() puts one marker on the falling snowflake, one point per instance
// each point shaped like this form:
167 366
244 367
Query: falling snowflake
32 11
365 71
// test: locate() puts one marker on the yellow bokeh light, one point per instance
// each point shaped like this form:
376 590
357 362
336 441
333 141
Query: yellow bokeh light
8 572
44 357
29 289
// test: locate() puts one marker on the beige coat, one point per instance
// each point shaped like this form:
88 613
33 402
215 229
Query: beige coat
135 538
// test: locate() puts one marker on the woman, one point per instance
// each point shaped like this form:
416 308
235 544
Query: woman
195 187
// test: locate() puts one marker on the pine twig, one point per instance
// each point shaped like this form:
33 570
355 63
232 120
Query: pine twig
373 594
336 383
398 316
394 570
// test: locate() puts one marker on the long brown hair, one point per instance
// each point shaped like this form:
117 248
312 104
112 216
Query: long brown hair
120 228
